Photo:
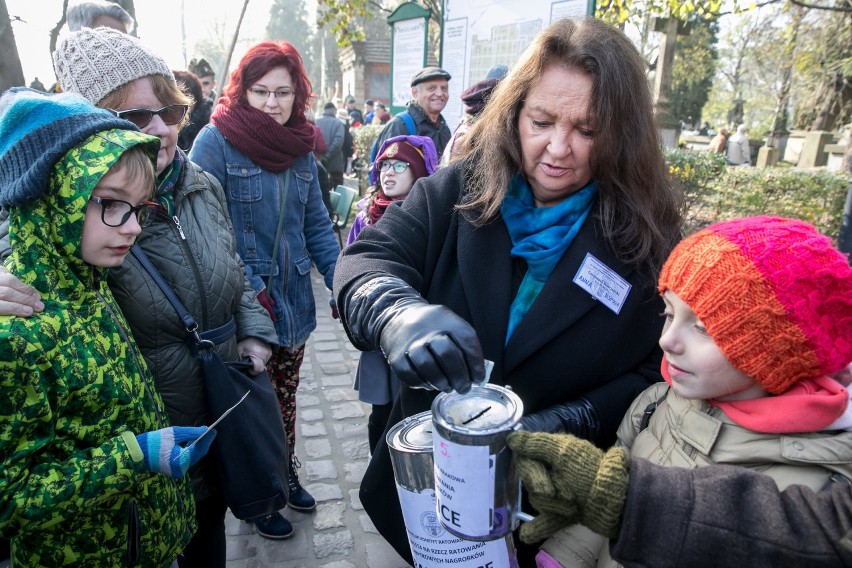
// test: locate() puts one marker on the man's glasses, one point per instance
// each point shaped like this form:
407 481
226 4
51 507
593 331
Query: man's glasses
280 94
115 212
142 117
398 167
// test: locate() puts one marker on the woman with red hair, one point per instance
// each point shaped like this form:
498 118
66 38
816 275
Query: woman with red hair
260 146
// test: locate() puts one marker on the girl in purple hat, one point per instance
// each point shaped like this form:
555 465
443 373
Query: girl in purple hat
402 161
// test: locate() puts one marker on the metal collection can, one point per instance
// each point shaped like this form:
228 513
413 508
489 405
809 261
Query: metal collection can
410 445
478 492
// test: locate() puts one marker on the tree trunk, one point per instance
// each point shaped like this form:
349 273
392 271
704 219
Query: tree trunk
779 121
831 97
11 72
54 33
224 74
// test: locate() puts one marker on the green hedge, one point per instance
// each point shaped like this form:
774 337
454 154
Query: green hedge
715 192
364 137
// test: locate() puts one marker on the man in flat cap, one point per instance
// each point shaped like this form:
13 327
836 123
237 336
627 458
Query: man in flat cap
206 76
429 93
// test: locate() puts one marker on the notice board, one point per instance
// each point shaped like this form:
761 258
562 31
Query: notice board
478 34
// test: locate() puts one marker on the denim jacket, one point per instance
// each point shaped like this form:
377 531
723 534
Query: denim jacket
254 202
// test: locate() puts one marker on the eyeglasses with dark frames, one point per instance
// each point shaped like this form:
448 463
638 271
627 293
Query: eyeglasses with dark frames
398 167
115 212
280 94
142 117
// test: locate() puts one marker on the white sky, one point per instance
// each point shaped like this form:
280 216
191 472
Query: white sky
158 25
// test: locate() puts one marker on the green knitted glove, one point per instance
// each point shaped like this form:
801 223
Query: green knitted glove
573 481
554 513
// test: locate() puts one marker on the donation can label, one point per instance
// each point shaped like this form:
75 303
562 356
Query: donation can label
464 480
433 546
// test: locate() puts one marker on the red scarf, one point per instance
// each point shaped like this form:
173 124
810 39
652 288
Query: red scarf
380 204
810 405
272 146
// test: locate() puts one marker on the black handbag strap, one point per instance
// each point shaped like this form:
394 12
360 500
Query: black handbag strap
212 336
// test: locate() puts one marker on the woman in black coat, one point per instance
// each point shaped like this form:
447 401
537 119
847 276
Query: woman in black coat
537 248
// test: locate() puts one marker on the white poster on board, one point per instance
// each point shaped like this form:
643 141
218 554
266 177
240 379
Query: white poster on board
485 33
453 62
567 9
409 49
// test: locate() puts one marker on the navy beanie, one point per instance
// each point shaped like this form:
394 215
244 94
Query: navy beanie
36 131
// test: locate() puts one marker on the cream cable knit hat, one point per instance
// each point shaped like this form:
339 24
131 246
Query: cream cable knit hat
95 62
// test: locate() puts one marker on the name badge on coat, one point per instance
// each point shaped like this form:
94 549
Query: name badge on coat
603 283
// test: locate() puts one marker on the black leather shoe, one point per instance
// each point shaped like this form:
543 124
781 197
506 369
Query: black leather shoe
299 499
273 526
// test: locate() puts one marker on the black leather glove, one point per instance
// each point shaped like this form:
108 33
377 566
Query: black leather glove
577 417
426 345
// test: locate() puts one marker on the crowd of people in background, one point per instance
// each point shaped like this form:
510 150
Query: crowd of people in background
473 242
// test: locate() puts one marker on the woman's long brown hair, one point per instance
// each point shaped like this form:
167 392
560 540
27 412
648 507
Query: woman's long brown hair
639 205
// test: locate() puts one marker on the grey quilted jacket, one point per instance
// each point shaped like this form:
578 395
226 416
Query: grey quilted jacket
196 254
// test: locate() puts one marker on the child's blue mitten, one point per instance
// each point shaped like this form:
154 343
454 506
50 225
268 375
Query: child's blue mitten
161 449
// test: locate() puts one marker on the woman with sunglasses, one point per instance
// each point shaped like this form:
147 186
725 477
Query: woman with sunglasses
191 244
260 146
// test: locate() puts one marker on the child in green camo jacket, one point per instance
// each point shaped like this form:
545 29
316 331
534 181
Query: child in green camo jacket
91 473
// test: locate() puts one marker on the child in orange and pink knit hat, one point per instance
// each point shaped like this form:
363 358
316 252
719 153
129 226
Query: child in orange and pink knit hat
758 319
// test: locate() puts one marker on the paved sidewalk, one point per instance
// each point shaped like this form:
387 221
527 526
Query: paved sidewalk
331 443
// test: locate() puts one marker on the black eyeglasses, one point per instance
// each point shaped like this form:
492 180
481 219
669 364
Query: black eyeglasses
398 167
115 212
142 117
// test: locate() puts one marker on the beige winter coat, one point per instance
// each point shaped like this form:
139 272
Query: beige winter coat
692 433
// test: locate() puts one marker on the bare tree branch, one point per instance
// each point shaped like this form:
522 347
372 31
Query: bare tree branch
54 33
227 64
819 7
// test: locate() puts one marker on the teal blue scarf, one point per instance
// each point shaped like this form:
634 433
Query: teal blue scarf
540 235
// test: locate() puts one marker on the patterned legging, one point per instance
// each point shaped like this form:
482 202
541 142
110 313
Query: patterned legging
283 369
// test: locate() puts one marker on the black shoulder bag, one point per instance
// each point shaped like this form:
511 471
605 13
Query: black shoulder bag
250 449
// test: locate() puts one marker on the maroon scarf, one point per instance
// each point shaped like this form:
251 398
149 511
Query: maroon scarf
272 146
377 209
